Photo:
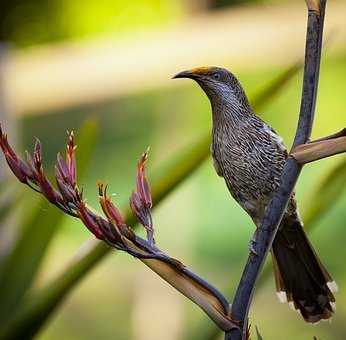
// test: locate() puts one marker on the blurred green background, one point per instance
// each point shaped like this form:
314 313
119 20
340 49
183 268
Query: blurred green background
198 223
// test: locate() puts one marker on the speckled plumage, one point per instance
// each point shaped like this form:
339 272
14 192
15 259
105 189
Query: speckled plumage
250 159
250 156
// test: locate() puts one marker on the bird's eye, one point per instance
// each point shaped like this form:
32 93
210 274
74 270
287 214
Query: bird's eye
216 76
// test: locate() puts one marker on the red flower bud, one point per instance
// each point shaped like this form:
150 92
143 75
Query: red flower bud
37 155
67 193
88 219
108 207
142 185
143 214
61 169
71 159
17 166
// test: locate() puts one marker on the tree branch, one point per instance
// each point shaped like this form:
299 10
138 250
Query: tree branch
314 151
290 174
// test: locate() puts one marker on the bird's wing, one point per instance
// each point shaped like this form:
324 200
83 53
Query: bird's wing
217 166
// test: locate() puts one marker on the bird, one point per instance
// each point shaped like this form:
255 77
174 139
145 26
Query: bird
249 155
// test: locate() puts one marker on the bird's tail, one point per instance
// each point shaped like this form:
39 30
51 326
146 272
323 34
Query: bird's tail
301 279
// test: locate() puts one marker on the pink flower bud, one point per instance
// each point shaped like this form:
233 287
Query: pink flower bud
109 208
142 185
16 165
71 159
88 220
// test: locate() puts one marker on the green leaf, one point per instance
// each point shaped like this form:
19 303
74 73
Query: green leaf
39 305
22 264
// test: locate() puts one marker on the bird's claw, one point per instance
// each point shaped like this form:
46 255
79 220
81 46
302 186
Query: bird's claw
252 248
252 245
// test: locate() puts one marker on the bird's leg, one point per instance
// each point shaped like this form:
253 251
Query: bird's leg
253 242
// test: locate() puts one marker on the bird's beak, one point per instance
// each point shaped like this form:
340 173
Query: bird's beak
185 74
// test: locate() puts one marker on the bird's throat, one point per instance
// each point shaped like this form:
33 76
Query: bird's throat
231 112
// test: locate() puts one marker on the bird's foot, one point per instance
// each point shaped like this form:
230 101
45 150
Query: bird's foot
252 244
252 248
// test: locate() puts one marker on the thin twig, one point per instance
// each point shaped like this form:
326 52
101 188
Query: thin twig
291 171
310 152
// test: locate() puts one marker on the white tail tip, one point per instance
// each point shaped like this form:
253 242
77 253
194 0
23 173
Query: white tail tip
332 286
282 296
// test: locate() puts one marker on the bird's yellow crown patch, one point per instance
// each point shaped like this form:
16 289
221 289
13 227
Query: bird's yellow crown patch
201 70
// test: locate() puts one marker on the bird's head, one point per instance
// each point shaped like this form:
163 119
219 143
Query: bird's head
220 85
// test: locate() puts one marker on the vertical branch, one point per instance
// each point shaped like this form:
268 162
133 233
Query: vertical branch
313 48
290 174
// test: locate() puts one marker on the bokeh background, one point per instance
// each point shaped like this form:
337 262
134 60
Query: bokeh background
107 65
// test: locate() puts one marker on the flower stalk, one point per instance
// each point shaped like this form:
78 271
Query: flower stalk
112 228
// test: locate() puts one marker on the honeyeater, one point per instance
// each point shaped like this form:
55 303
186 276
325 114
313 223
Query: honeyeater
250 156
